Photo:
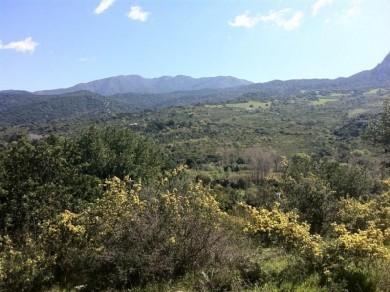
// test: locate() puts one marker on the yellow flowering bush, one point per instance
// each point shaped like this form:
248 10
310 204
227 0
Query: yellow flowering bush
334 256
21 269
363 244
356 215
283 228
130 235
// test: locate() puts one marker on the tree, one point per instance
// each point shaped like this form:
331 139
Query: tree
260 161
346 180
118 152
38 181
311 197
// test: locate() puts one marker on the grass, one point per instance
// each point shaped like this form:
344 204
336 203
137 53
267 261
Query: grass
248 105
273 260
373 91
356 112
336 94
323 101
275 264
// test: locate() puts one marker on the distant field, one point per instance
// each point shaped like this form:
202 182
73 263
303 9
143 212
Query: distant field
356 112
322 101
248 105
373 91
337 94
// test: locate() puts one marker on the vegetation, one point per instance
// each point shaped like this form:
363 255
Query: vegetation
214 197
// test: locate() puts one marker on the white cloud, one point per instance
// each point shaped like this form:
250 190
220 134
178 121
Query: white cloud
244 20
24 46
103 6
138 14
281 19
284 18
318 5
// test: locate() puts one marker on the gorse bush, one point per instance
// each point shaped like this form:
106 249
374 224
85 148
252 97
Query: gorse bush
146 240
25 267
277 227
122 240
336 257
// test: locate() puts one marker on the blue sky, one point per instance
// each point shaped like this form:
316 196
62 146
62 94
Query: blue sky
57 43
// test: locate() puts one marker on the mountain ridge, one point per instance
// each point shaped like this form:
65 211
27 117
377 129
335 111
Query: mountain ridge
138 84
379 76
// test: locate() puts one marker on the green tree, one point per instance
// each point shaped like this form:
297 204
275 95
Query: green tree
118 152
346 180
38 181
311 196
41 178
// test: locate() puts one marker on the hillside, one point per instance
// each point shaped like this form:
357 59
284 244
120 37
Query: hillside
10 98
19 108
377 77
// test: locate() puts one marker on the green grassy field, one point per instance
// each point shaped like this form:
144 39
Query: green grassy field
248 105
323 101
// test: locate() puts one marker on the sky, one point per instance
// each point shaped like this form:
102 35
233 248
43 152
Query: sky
48 44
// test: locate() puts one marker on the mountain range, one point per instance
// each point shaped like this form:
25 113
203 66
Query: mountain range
134 93
377 77
138 84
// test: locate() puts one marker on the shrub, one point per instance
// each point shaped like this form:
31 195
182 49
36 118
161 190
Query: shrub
25 268
123 240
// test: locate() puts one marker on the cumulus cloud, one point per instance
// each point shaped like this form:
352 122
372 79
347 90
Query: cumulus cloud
285 18
138 14
103 6
24 46
318 5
